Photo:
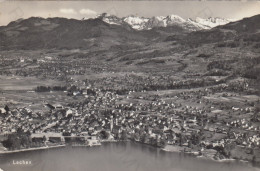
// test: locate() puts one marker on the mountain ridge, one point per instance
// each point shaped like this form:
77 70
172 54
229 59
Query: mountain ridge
36 32
146 23
63 33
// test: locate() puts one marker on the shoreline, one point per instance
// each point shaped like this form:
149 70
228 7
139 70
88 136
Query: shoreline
178 149
31 149
171 148
56 146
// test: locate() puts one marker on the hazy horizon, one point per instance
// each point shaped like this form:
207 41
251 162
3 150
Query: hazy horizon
13 10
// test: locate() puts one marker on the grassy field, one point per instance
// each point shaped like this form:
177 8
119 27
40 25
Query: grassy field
19 91
17 83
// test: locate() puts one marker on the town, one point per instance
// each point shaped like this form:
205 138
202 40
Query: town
197 98
202 125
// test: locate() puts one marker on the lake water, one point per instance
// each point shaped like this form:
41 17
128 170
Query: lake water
122 156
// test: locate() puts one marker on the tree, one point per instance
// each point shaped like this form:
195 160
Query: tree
181 139
103 134
7 143
12 142
153 141
7 109
195 138
44 139
19 131
144 138
123 135
25 142
228 148
162 143
28 133
136 136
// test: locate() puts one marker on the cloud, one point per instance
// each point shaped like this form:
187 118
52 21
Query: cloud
68 11
87 12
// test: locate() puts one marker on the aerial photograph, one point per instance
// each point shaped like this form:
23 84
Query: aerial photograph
130 85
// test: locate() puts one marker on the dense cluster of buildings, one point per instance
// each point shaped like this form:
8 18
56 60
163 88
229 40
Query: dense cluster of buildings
105 115
129 106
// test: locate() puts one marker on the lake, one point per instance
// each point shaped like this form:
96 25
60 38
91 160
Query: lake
118 156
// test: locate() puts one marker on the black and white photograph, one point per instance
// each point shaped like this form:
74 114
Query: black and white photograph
130 85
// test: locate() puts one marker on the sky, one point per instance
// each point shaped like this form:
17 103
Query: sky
13 10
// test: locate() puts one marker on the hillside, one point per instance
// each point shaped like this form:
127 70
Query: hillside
241 33
122 44
104 31
61 33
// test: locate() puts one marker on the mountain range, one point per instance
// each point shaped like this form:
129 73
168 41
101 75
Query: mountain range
142 23
108 31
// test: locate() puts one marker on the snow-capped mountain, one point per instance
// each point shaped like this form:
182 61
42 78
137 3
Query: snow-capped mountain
110 19
142 23
156 22
172 19
138 23
212 22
